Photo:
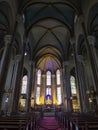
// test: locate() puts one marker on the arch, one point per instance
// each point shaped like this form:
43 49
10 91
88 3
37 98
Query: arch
73 84
58 84
39 77
58 77
48 77
9 13
24 85
92 23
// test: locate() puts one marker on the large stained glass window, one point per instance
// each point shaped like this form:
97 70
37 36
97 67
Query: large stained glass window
73 85
59 95
48 91
39 77
24 85
58 77
48 78
38 95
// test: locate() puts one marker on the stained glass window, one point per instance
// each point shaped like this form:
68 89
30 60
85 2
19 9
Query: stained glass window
58 77
48 78
59 95
24 85
48 91
39 77
38 95
73 85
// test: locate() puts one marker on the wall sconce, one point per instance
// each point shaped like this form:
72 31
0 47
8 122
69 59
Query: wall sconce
7 99
71 98
91 95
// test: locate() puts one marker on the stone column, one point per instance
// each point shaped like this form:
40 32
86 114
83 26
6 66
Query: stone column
33 92
4 65
18 83
43 90
29 88
82 84
54 88
35 85
77 75
42 94
64 97
90 41
93 59
94 65
67 88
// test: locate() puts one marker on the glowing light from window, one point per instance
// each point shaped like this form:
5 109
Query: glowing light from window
59 98
24 85
39 77
38 95
73 85
58 77
48 78
48 91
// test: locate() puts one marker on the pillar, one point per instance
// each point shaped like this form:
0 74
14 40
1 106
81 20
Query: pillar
16 84
33 92
43 86
54 88
82 84
90 41
67 88
94 65
77 74
29 88
93 59
4 65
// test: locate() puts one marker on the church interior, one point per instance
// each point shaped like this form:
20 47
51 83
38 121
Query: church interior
48 64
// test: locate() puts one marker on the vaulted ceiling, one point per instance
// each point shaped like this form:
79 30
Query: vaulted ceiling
49 25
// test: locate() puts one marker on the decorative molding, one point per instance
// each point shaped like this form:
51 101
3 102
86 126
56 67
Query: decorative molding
7 39
65 63
31 63
91 39
81 18
19 18
72 40
80 58
17 58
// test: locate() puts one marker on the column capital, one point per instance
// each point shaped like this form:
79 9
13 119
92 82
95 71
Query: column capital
31 63
7 39
81 18
72 41
19 18
91 39
65 63
17 58
80 58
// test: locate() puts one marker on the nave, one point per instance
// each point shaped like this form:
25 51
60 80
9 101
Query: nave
49 123
41 120
49 64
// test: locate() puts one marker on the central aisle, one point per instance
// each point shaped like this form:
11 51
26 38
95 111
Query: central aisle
49 123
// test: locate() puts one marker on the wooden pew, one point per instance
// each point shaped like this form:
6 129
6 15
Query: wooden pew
16 122
82 122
